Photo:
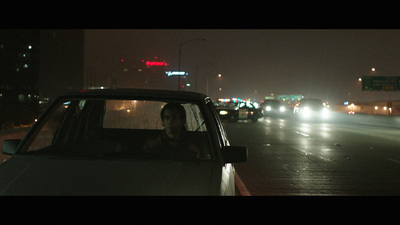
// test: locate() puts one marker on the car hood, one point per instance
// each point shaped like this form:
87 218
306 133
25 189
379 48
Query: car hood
33 175
312 107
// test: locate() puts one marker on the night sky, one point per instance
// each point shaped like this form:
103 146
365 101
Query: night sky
255 63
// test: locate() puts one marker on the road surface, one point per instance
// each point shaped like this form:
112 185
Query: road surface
340 157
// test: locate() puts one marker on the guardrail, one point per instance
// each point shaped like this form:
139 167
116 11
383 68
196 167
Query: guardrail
369 119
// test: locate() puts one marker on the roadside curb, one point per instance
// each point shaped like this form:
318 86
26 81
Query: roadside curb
240 186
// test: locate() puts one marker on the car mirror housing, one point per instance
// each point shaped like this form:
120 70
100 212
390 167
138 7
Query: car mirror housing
9 146
234 154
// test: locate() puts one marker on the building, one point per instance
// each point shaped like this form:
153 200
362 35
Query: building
61 62
146 74
19 76
36 66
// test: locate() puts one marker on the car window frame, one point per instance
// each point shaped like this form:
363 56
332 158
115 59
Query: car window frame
32 133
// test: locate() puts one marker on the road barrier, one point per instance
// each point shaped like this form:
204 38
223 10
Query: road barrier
369 119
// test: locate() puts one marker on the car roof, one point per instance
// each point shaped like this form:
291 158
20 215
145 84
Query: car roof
141 93
311 99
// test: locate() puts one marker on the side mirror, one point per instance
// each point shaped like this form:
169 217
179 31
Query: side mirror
234 154
9 147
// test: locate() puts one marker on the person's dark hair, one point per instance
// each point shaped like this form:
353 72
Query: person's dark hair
174 106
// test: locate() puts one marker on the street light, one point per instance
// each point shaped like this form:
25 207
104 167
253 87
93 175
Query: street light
179 67
220 89
197 68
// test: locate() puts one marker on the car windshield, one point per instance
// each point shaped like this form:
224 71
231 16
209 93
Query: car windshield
272 103
313 103
121 128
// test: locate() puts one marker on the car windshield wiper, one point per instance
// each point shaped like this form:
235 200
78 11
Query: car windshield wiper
200 126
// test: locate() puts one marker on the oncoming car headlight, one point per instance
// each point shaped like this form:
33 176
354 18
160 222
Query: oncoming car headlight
268 108
325 112
306 112
282 109
223 112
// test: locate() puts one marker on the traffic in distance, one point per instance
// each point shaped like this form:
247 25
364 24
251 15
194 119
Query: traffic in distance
237 109
315 151
301 108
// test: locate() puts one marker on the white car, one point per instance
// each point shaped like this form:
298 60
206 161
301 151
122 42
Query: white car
311 109
90 143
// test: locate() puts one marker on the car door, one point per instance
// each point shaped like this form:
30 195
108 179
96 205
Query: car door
243 111
227 173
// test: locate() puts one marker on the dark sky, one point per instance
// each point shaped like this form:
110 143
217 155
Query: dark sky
256 63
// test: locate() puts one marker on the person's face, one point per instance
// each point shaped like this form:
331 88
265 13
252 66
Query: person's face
172 122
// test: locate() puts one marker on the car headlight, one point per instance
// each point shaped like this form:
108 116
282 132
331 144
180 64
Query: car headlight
325 112
306 112
282 109
223 112
268 108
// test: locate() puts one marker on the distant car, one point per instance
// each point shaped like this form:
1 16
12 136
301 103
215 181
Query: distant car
239 111
90 143
311 109
272 107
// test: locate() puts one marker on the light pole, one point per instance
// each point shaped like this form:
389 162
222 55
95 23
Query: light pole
219 78
197 68
220 90
180 52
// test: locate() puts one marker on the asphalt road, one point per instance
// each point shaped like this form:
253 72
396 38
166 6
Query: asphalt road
341 157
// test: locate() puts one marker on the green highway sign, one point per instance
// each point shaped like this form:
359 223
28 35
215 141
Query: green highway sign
378 83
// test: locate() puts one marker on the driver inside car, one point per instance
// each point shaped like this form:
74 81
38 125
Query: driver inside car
174 142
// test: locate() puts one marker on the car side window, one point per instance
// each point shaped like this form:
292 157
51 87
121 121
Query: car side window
47 132
138 114
217 122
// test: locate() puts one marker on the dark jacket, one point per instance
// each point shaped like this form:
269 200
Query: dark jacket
187 147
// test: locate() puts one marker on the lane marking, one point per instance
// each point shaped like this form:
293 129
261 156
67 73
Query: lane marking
240 186
311 154
393 160
301 133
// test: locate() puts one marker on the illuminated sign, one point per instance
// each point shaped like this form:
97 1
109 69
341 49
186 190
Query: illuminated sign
176 73
155 63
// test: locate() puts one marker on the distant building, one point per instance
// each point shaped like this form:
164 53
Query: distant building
38 65
19 76
138 74
144 74
61 62
35 67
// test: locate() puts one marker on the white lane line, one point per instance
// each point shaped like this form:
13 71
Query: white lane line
393 160
240 186
311 154
301 133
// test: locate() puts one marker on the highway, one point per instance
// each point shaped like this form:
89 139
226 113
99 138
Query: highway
344 156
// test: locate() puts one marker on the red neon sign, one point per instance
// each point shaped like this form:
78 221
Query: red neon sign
155 63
